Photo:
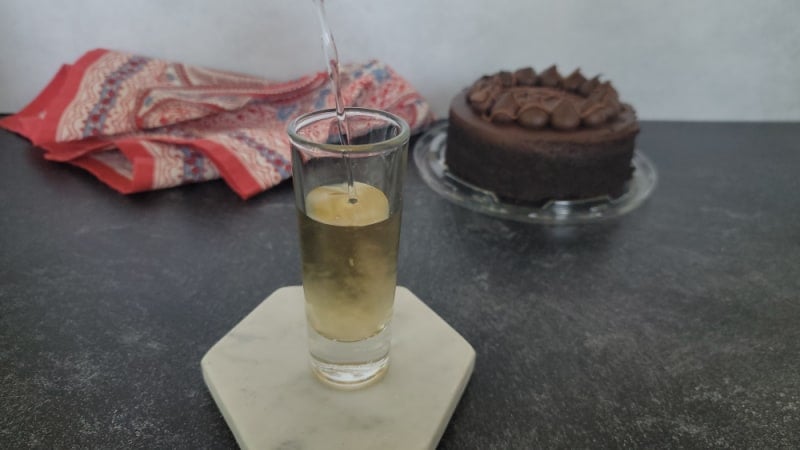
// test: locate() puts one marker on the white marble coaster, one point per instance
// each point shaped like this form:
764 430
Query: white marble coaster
260 377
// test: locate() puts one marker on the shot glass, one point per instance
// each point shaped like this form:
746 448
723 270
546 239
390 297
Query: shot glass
348 192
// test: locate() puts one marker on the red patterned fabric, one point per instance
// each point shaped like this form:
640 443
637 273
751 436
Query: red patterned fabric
140 123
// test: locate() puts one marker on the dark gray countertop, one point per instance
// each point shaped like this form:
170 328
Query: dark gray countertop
677 325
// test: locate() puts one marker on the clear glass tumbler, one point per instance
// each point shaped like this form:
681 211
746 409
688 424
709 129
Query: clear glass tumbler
349 200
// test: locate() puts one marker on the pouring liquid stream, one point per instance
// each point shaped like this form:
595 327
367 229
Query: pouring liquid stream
332 63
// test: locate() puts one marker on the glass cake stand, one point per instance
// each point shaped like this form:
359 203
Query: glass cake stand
429 155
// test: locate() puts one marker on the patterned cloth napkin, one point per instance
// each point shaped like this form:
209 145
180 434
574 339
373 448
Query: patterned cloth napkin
140 123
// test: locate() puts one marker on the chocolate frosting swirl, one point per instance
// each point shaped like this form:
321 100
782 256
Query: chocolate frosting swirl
544 100
565 116
525 77
550 77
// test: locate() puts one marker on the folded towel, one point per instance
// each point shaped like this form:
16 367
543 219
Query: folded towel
141 123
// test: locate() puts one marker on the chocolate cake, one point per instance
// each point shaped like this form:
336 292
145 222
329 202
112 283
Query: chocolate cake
530 137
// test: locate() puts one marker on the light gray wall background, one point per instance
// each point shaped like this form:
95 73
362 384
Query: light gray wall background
680 59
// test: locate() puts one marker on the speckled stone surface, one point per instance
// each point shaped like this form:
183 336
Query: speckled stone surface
675 326
260 377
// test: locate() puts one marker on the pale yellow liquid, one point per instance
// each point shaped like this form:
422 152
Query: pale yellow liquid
349 253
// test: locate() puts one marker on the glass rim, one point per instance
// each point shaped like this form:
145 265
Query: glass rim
314 116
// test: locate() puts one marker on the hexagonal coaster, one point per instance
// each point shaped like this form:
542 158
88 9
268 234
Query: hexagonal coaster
261 380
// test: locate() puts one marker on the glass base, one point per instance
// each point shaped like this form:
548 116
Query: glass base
349 365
